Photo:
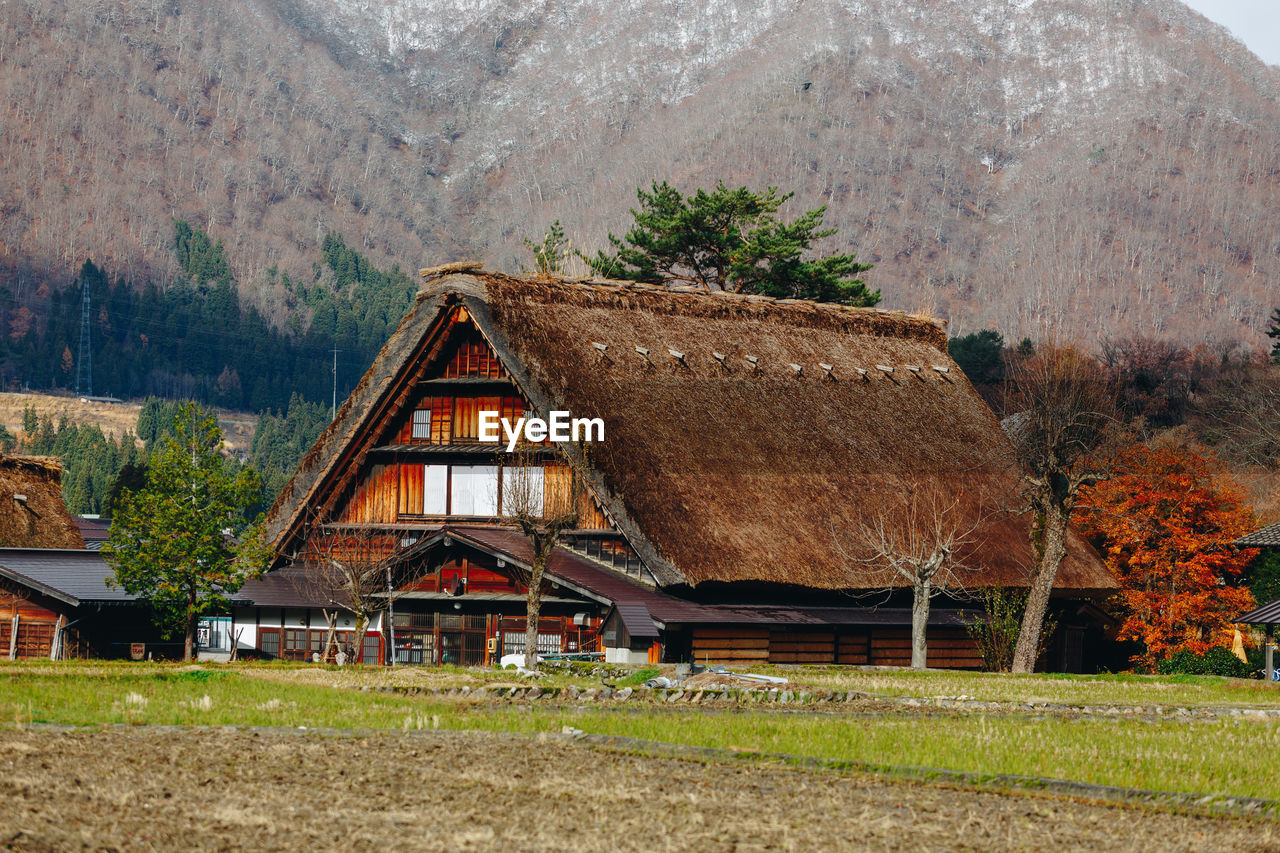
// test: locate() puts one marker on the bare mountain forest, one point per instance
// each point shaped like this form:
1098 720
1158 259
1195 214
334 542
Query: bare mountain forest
1089 168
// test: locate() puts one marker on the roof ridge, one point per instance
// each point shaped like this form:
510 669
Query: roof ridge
676 292
32 461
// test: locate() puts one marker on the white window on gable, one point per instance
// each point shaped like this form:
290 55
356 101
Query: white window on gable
421 423
474 490
435 490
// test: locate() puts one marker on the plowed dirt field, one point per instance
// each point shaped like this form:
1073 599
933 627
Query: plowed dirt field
155 788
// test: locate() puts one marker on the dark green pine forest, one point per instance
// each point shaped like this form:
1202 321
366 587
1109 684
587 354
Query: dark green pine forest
195 340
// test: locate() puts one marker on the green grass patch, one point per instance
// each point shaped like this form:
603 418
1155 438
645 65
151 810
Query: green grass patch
167 697
1122 689
639 677
1233 756
1220 757
1127 689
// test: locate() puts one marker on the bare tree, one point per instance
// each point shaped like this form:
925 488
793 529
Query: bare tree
351 569
915 540
1063 426
1239 413
542 517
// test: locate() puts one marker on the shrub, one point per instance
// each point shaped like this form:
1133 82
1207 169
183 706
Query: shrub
1216 661
995 631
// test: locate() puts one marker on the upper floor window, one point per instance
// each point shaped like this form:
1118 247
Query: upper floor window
456 420
421 425
523 490
473 490
483 491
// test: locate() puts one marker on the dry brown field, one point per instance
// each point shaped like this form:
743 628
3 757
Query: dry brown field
113 418
160 788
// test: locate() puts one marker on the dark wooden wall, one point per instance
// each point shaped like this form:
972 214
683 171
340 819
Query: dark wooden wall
35 622
949 648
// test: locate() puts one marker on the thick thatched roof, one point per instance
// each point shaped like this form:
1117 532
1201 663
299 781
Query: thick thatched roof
750 440
32 512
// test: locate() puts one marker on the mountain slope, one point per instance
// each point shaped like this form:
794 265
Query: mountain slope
1080 167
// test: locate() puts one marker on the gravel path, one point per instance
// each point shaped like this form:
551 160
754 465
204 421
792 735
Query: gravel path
164 789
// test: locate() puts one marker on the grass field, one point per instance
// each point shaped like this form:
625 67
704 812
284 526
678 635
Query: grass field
1230 755
1191 691
114 419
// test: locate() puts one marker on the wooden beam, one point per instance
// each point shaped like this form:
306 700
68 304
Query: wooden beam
1270 644
57 637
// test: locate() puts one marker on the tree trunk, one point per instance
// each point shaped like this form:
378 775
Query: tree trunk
533 607
1053 537
357 639
330 635
920 625
189 646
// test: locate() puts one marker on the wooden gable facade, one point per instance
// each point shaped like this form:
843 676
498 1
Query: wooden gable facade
417 468
425 463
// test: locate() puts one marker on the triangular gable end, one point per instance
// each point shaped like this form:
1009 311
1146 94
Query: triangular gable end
402 467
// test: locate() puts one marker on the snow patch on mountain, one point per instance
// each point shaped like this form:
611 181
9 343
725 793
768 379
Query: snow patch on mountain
534 69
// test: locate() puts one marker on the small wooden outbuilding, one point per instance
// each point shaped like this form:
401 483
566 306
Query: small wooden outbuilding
32 515
1268 615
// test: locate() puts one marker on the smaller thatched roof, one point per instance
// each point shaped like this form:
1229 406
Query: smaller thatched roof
32 512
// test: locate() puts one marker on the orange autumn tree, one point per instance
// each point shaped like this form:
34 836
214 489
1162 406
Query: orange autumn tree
1165 524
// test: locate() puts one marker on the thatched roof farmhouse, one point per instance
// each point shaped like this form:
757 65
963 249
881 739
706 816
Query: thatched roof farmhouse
745 440
54 597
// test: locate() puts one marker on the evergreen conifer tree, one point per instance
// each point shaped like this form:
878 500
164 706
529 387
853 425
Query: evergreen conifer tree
549 255
731 239
171 541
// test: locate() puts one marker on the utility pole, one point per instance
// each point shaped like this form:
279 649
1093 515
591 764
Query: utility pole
84 364
391 617
333 411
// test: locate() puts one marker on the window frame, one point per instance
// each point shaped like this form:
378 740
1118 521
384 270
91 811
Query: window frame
439 489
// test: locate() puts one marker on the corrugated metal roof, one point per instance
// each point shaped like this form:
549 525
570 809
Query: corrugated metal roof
95 531
37 587
1267 536
637 621
1267 614
579 572
286 587
439 449
610 587
79 574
